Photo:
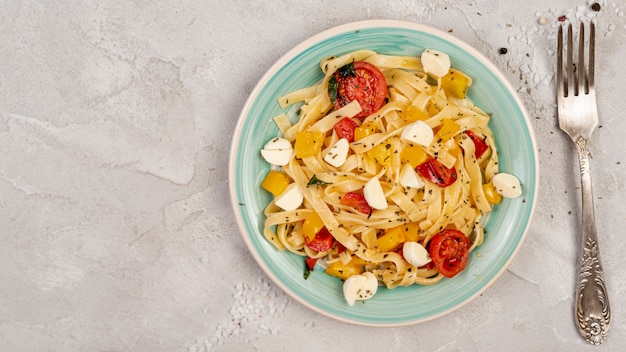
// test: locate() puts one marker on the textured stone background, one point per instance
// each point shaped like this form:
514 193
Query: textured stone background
116 228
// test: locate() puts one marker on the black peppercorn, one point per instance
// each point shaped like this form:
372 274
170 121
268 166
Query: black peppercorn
595 6
503 51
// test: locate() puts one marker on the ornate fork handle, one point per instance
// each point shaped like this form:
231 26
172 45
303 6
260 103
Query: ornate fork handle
593 314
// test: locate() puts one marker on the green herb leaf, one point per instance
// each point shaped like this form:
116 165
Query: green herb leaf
314 181
347 70
432 81
332 89
307 271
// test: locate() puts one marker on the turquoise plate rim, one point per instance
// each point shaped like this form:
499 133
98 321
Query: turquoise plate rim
506 226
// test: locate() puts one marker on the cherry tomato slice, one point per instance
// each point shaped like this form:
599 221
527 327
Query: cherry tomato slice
310 262
437 173
322 242
345 129
480 146
449 251
367 86
357 201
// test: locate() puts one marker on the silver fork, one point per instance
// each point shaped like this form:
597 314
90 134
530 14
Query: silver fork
578 117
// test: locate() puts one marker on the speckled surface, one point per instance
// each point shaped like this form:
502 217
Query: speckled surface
117 232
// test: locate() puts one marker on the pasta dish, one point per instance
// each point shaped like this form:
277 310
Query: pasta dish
386 174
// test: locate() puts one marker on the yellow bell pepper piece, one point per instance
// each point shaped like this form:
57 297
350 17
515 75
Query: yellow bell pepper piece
381 154
366 129
413 113
275 182
311 226
410 230
343 271
414 155
454 149
356 261
392 238
308 143
454 84
492 196
433 109
448 129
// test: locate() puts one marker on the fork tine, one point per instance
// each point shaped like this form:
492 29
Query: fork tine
592 54
559 62
581 81
569 77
